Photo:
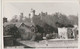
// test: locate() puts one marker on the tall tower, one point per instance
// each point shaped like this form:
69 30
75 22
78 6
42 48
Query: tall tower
32 15
21 16
33 12
29 15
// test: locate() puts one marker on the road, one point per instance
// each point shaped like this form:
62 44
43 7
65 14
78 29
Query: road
52 44
56 44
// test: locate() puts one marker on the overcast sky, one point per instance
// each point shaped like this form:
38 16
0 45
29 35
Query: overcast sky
15 8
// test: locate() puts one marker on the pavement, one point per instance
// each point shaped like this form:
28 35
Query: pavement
38 48
71 43
52 44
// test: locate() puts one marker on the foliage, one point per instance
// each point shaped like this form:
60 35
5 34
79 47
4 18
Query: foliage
62 25
73 19
12 30
14 19
39 29
49 29
46 29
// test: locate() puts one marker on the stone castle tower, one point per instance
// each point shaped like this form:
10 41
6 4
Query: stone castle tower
33 14
21 16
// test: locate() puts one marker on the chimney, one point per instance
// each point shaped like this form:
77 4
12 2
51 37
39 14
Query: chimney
4 19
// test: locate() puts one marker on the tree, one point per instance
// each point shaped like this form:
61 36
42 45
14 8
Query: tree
14 19
39 29
63 21
49 29
73 19
12 30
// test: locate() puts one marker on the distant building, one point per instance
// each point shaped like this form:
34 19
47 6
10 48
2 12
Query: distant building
67 33
70 33
75 31
27 29
62 32
27 33
4 19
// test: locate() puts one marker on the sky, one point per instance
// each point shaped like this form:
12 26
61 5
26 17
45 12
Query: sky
15 8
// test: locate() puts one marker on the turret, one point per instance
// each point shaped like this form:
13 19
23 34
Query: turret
33 12
21 16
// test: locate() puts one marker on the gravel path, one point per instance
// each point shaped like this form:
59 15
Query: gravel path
52 44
